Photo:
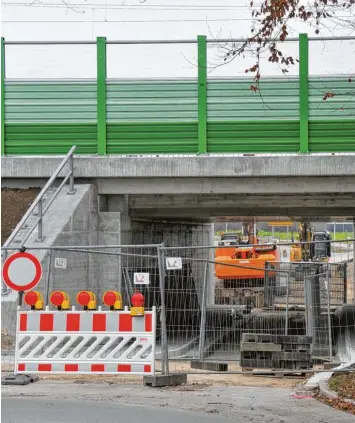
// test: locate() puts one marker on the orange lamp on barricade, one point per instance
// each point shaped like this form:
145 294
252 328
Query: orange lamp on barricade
60 299
86 299
112 299
137 301
34 299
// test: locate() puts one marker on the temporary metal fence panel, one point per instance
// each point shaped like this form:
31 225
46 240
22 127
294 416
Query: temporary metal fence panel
332 277
108 342
208 312
205 315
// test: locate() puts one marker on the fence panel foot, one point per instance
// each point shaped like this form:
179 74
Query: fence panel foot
173 379
210 365
19 379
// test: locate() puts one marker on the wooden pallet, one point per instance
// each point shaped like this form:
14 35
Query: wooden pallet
279 374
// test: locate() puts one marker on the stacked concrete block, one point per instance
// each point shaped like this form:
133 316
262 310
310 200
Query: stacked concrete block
260 351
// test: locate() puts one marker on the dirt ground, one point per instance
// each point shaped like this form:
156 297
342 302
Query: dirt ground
14 204
196 381
343 384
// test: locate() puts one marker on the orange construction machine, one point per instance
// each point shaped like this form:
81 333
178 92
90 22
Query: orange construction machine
243 265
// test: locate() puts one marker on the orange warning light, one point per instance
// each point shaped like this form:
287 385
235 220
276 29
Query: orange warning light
86 299
137 301
34 299
60 299
112 299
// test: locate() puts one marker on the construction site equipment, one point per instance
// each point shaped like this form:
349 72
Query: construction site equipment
313 246
243 265
85 342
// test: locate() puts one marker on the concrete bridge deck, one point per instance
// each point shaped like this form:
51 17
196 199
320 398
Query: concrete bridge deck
207 186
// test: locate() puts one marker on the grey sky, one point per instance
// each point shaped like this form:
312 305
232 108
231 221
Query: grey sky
154 19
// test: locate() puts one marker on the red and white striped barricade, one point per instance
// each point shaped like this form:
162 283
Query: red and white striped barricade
85 342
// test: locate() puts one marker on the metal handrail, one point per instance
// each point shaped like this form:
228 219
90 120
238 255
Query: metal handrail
177 41
39 200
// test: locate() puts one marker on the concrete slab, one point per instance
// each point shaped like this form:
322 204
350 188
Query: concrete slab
289 165
165 380
19 379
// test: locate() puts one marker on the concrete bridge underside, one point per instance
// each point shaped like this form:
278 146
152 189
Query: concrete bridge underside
206 187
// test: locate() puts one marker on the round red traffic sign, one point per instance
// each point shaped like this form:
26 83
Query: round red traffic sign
22 271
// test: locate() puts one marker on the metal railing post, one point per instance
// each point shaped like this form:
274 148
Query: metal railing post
267 287
2 82
71 178
287 302
354 262
4 288
40 236
328 282
101 96
202 93
163 328
303 93
203 314
345 283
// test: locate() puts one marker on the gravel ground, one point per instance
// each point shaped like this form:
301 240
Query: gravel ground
242 404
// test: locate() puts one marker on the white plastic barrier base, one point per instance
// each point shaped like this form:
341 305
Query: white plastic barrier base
85 342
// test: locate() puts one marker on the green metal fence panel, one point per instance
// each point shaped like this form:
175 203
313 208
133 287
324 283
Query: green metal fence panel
234 100
152 117
340 106
152 101
152 138
51 102
241 120
332 136
161 117
332 121
44 117
50 138
261 136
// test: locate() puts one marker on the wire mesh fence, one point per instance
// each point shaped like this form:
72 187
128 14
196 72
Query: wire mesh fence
222 305
227 304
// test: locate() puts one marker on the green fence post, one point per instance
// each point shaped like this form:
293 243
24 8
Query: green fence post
2 96
202 93
303 90
101 95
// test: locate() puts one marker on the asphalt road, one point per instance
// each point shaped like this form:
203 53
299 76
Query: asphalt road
33 410
70 401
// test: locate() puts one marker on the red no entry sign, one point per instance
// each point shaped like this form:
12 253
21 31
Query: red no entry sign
22 271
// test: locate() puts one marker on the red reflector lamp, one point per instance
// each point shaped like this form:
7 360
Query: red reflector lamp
34 299
137 301
113 300
60 299
86 299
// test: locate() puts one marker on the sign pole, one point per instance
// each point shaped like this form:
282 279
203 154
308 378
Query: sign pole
20 296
